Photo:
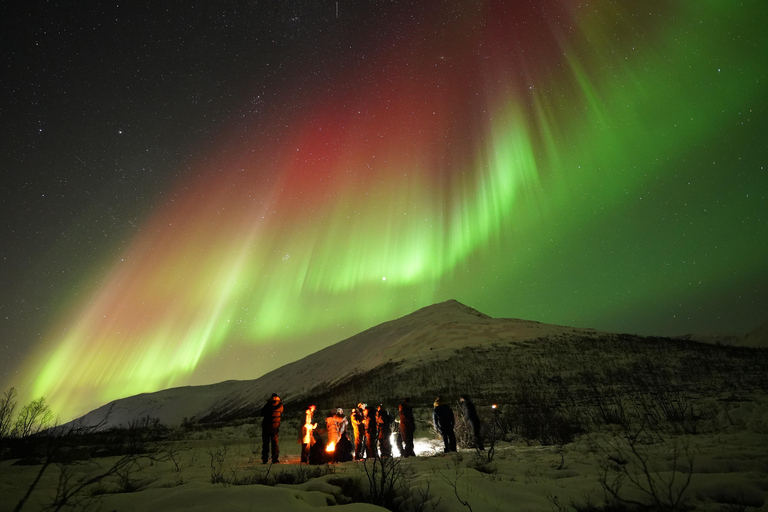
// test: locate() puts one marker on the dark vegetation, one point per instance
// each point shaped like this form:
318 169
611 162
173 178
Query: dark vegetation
551 389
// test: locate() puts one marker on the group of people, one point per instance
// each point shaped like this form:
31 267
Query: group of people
371 431
444 422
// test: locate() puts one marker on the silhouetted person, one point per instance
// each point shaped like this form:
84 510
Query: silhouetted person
471 417
384 425
443 420
317 453
407 427
343 449
369 422
270 428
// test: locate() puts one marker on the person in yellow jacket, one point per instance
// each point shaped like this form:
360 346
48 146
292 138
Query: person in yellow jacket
358 429
307 433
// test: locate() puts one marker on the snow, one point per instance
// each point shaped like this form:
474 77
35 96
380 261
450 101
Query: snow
729 470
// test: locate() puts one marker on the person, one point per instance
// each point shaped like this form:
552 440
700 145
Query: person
270 428
472 419
384 427
342 422
358 427
332 429
443 420
407 427
336 423
317 453
343 449
307 433
369 422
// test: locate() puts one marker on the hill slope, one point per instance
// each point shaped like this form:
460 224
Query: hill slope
449 349
435 331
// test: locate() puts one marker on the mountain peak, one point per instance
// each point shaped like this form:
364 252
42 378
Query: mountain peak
448 311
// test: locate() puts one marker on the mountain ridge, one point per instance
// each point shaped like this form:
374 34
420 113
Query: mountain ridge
421 339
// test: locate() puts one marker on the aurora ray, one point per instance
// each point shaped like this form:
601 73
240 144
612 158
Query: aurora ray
500 160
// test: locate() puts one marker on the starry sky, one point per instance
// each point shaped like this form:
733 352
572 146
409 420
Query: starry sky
203 191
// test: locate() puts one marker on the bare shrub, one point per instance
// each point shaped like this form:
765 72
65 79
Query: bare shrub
631 477
386 479
544 411
218 458
7 408
32 418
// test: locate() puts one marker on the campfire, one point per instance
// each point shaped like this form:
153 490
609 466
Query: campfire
331 447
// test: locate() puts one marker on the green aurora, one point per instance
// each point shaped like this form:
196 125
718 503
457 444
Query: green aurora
607 171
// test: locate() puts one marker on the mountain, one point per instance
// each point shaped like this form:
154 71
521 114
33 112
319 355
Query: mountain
445 349
757 338
434 331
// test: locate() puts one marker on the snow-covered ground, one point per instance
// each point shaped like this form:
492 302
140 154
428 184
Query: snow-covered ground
728 471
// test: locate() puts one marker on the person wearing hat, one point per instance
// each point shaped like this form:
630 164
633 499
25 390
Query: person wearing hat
270 428
339 426
444 421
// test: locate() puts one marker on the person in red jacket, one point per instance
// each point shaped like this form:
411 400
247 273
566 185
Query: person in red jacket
270 428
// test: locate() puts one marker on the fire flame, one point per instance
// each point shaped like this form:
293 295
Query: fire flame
331 447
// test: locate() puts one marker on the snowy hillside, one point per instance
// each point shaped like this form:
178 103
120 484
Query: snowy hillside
445 349
439 329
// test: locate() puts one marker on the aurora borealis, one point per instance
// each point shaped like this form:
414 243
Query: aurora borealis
207 192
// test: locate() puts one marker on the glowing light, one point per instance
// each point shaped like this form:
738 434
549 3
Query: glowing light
464 181
425 448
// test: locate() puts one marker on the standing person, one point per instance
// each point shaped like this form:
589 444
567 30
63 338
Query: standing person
341 422
270 428
332 429
307 433
443 420
471 417
369 422
343 444
384 424
358 426
407 427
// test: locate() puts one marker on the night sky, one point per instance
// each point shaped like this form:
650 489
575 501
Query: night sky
203 191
